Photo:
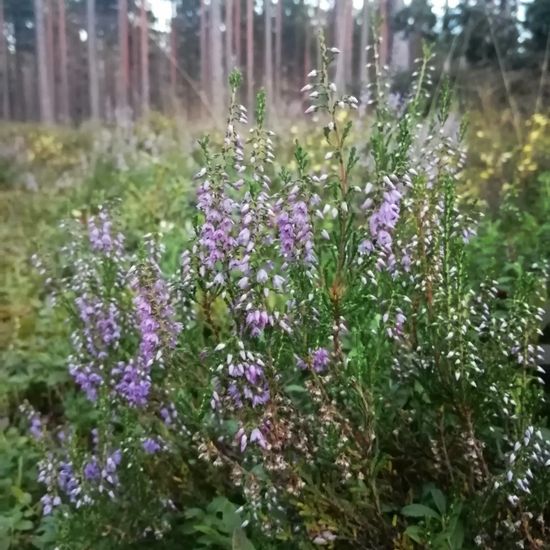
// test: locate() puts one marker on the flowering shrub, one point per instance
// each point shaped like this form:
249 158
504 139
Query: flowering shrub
322 370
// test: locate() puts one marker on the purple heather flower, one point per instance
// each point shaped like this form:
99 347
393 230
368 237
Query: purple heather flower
36 427
101 237
295 230
158 330
243 442
257 320
92 471
256 436
261 276
320 359
68 482
49 502
150 445
382 224
366 247
168 414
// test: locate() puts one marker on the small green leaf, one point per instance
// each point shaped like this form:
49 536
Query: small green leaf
419 511
24 525
414 532
295 388
241 541
439 500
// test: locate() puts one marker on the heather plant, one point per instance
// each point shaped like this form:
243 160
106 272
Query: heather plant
320 371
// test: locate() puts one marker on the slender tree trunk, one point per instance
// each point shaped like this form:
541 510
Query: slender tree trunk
364 42
135 80
237 38
203 48
341 43
216 60
348 49
250 53
46 108
123 59
173 59
384 33
93 75
278 50
229 61
64 99
4 67
29 87
145 87
268 50
307 50
237 33
50 50
318 29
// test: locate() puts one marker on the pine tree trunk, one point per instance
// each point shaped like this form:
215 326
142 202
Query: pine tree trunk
216 60
268 51
4 67
50 50
318 29
278 50
347 52
384 34
237 34
144 39
173 59
64 98
46 108
135 76
341 43
363 58
250 53
123 59
93 76
307 50
229 62
203 48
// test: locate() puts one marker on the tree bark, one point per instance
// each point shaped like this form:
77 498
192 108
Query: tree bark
203 48
46 108
307 50
4 67
347 52
278 50
384 52
93 75
229 62
123 57
173 59
144 34
250 53
364 42
237 34
216 60
64 99
50 50
268 50
341 43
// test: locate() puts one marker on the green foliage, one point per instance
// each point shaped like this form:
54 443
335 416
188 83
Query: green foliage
423 424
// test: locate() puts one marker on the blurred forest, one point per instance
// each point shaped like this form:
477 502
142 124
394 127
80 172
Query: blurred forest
66 61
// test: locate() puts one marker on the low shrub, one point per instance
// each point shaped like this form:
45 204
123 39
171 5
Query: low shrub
320 370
